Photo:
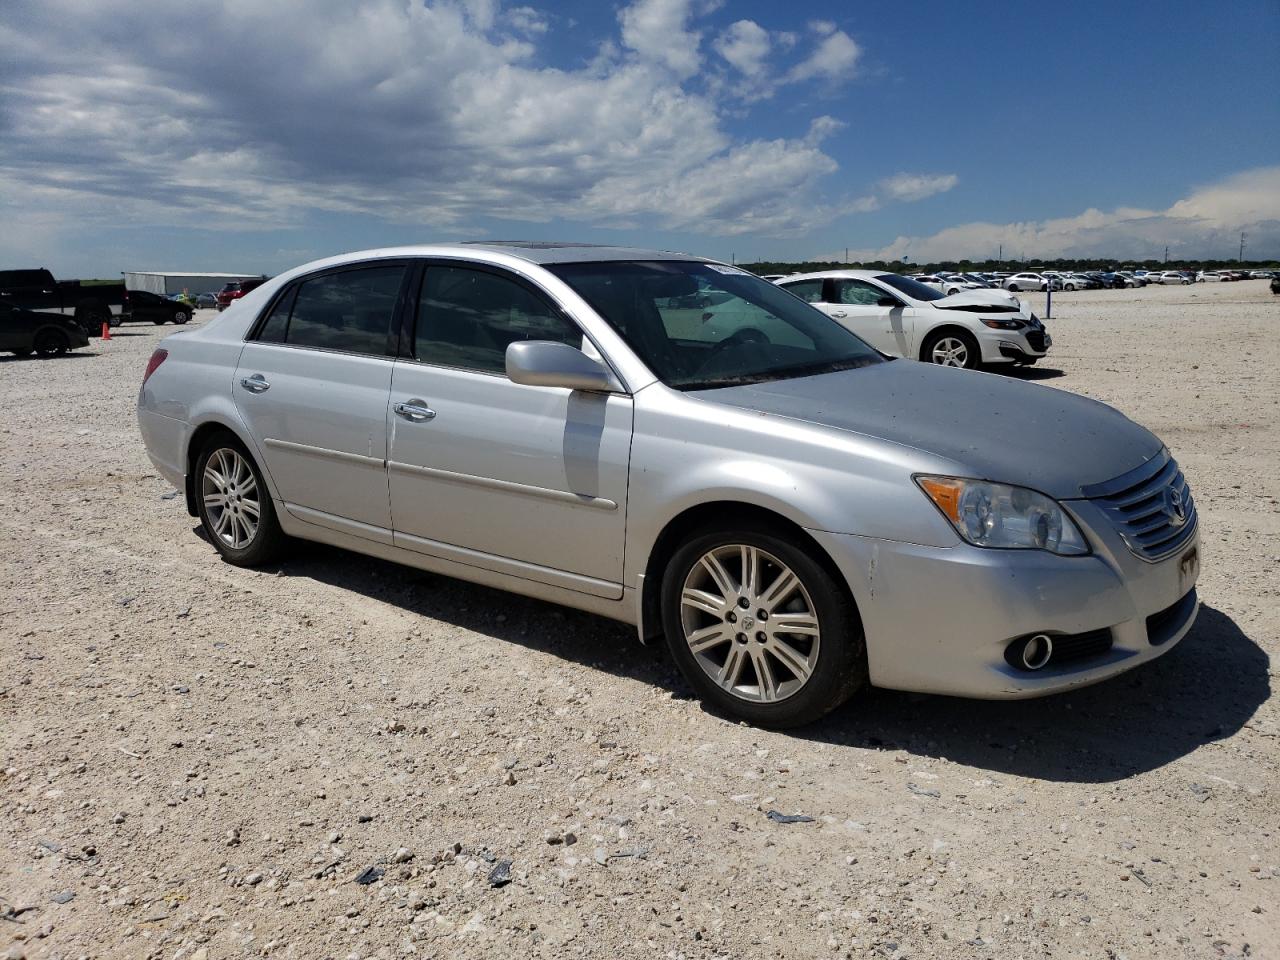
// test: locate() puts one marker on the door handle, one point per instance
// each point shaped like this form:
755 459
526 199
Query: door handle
839 314
414 410
256 383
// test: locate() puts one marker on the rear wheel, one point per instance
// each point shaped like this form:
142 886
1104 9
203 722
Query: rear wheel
51 343
234 504
760 628
951 348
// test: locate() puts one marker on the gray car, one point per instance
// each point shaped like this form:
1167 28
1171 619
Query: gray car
796 513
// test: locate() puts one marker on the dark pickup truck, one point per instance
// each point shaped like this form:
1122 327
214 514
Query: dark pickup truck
89 304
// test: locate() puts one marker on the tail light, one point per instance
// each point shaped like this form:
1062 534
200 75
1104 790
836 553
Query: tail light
153 364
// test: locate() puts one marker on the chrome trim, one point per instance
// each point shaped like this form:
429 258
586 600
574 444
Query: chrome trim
1151 508
512 568
340 455
506 486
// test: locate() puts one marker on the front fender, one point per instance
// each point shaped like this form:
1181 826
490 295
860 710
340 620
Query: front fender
688 452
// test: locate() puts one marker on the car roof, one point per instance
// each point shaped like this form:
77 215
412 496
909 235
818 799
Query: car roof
554 251
838 274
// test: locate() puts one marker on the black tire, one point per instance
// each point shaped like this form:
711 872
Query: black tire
269 541
51 343
180 317
973 353
840 668
1070 286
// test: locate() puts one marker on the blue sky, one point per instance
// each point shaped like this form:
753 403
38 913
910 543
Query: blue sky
143 134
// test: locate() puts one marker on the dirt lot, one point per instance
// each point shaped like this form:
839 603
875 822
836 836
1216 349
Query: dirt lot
202 762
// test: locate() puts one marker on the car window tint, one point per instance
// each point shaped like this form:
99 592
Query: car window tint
810 291
711 316
467 318
277 323
349 311
857 292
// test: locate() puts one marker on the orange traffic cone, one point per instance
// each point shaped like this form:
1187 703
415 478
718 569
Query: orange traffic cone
106 330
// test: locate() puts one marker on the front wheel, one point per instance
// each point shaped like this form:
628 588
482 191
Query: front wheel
759 628
51 343
1070 286
180 317
951 348
234 504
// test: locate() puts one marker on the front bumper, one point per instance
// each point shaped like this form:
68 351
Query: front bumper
939 619
1018 346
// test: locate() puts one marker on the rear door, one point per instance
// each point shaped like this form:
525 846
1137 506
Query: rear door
312 385
528 481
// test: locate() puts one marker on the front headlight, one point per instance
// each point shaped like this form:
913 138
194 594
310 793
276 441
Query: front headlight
998 515
1003 324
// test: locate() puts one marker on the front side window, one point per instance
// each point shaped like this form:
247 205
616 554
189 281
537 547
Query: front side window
858 293
350 311
700 326
468 317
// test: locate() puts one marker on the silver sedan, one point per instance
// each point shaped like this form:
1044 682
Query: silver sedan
797 514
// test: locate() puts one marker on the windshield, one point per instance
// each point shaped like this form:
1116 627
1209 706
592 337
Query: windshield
912 288
698 326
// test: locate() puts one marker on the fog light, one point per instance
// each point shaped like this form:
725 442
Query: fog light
1030 653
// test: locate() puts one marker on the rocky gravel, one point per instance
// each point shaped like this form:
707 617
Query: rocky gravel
339 757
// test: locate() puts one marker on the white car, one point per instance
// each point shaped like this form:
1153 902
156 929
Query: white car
1073 281
1168 278
1031 281
1208 276
902 317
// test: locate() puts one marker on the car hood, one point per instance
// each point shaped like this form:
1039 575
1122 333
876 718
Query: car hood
968 299
990 426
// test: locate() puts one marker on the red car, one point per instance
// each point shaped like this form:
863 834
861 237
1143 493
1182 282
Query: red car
237 289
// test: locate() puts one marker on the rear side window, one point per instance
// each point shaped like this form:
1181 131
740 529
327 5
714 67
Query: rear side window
350 311
810 291
467 318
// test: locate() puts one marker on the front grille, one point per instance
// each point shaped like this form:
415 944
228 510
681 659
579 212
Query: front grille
1151 507
1036 339
1165 623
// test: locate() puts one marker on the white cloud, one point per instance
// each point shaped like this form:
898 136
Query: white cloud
657 30
745 45
435 113
917 186
835 59
1205 224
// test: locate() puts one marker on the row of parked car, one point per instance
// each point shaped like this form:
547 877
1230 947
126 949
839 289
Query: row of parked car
1043 280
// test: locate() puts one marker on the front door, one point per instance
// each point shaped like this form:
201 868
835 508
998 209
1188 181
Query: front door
312 386
857 304
528 481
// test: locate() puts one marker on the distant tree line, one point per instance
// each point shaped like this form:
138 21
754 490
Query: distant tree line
1008 266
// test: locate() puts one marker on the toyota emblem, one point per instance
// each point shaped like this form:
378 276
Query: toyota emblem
1174 508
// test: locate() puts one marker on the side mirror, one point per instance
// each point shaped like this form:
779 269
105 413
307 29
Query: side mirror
542 363
888 301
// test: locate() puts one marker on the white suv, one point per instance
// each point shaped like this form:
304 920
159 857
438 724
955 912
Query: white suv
902 317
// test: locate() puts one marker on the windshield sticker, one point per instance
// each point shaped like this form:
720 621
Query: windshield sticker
721 268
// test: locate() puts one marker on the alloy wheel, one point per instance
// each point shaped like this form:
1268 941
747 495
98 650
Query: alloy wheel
750 623
950 352
229 491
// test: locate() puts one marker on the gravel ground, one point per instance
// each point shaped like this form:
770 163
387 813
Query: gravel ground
337 757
